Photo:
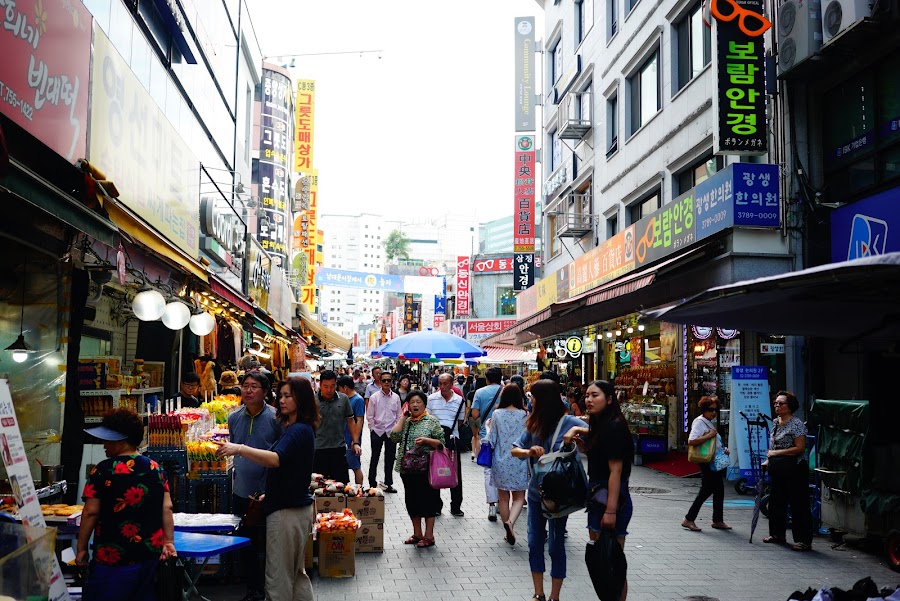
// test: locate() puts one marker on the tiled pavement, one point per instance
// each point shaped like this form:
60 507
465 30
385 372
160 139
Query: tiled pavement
471 561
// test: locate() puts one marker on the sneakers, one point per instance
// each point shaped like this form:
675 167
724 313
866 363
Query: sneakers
390 489
492 512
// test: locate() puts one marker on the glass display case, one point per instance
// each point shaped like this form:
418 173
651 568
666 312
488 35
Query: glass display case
26 561
649 424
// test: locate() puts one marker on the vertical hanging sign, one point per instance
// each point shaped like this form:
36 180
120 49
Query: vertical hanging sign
525 74
274 151
462 286
740 99
304 136
523 213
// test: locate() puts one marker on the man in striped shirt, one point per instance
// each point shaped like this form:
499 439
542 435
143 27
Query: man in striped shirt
447 406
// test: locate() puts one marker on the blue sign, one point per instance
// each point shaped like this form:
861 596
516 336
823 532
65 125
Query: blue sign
742 194
440 305
861 229
358 279
750 397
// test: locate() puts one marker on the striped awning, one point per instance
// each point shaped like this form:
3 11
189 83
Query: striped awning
506 354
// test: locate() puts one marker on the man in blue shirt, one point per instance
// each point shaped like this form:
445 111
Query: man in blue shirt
346 385
483 406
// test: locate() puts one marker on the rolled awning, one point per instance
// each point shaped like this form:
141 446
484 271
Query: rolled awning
229 295
262 326
506 354
330 339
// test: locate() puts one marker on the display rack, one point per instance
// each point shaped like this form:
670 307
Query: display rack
210 493
174 463
649 424
97 403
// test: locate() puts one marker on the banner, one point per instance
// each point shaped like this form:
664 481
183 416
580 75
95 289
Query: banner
45 72
750 396
306 239
462 286
259 273
861 229
272 176
326 276
134 145
610 259
740 98
304 134
525 74
523 209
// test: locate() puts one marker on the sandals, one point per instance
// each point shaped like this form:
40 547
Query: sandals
539 598
774 540
412 540
801 547
425 542
721 526
510 537
690 526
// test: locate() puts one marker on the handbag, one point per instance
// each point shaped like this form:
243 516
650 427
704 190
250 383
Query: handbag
414 460
607 566
255 514
704 452
442 471
562 483
169 580
486 452
722 461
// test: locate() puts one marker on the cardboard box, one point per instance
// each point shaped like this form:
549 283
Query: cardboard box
370 538
369 510
327 504
310 553
91 375
156 372
337 554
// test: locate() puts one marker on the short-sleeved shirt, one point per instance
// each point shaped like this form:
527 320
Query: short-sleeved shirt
130 489
358 405
483 398
614 443
783 435
528 440
259 431
288 484
372 387
333 414
447 411
701 426
428 426
360 387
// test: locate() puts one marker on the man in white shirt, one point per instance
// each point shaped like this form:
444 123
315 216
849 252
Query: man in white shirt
447 406
383 413
373 386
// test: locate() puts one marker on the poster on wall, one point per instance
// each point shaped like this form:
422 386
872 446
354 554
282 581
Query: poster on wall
750 396
668 339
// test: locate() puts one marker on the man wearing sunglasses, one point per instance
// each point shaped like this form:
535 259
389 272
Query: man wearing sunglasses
383 413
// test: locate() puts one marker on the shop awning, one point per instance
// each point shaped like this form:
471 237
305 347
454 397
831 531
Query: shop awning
262 326
228 294
506 354
141 233
330 339
26 185
852 301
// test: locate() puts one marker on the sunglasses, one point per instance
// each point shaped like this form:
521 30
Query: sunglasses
743 15
776 403
388 380
711 409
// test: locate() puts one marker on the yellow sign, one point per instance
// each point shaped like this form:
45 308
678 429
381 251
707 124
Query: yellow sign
546 291
310 241
304 136
574 346
135 146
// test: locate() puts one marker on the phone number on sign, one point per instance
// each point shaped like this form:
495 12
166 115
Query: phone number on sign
716 218
765 216
8 95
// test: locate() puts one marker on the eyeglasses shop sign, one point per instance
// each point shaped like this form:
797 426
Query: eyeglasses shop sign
259 273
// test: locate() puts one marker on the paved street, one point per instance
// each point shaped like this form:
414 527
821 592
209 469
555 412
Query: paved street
471 561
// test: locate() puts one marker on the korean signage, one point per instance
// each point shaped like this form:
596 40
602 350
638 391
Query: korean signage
666 230
740 100
305 244
750 396
861 228
304 134
742 194
273 172
525 73
527 302
523 272
223 239
134 145
45 72
546 292
410 314
498 265
462 286
476 330
523 209
771 348
259 273
327 276
607 261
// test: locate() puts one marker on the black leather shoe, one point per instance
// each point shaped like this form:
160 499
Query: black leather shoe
457 513
389 489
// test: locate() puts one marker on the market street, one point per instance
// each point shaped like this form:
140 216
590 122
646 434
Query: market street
471 561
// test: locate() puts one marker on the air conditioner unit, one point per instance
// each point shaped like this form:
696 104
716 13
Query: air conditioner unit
799 32
840 15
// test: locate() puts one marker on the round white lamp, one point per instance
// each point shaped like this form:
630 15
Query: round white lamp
148 305
202 323
176 315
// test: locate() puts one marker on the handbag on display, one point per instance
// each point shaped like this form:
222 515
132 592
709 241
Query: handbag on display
442 471
414 460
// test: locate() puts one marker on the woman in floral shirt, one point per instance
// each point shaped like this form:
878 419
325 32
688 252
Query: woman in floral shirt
416 429
128 509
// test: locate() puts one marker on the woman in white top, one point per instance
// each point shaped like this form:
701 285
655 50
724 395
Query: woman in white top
713 483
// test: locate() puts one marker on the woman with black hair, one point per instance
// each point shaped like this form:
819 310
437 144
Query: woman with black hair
607 442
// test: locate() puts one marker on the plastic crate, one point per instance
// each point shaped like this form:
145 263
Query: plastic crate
210 494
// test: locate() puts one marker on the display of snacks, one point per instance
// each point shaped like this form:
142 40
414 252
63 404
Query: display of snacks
221 406
61 509
319 486
96 406
202 457
165 432
356 490
335 521
646 418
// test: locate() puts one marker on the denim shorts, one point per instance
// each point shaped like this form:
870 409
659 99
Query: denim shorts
353 460
623 517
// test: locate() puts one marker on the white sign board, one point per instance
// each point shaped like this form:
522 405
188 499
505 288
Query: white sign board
770 348
750 396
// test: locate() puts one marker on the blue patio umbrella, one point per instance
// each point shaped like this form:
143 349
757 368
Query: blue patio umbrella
430 345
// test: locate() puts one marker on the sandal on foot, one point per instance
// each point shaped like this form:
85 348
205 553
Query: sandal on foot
412 540
425 542
690 526
801 547
510 537
774 540
538 598
721 526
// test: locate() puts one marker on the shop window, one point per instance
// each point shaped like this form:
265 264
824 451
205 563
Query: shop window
693 46
645 206
644 87
506 301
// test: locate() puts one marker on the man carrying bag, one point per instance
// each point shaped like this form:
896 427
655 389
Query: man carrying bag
447 406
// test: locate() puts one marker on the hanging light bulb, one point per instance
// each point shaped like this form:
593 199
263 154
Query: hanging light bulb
176 315
148 305
618 332
609 334
640 327
630 330
202 323
20 348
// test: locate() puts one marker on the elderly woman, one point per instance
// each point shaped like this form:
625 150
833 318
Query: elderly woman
789 472
713 481
288 504
417 430
128 509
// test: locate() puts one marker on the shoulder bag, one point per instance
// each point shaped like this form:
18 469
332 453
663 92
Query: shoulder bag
414 460
486 452
562 483
255 514
704 452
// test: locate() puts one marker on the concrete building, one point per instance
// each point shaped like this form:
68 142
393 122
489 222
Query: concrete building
496 236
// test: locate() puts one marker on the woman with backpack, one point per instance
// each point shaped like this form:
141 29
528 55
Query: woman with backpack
548 416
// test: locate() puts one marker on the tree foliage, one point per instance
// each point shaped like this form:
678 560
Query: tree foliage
396 246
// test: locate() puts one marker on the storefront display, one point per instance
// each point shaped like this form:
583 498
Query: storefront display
710 355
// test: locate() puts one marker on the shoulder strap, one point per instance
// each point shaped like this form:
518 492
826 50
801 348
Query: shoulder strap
556 433
491 406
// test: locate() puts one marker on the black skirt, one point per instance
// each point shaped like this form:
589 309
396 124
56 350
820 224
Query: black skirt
422 501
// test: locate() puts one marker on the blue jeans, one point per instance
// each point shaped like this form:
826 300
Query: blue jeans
121 583
537 535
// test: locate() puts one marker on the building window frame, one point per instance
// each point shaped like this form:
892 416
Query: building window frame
638 80
584 19
690 58
612 19
509 296
645 205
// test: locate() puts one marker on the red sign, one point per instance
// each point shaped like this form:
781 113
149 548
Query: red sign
462 286
439 320
45 71
497 265
523 210
488 326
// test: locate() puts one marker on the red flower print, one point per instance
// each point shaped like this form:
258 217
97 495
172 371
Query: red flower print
108 555
131 531
157 539
134 496
121 468
153 465
89 492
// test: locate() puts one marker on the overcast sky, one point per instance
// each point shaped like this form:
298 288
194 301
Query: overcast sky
428 126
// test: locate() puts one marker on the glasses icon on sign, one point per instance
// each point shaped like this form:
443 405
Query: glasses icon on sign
746 18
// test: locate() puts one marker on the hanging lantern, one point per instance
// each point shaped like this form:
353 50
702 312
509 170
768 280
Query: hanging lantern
202 323
148 305
176 315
